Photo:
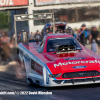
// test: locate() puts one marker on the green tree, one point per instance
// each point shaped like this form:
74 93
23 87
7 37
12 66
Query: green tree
4 19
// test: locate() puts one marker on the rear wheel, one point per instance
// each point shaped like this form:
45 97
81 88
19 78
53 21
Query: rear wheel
22 65
23 68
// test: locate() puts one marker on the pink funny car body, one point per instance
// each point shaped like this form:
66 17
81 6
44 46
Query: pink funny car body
59 60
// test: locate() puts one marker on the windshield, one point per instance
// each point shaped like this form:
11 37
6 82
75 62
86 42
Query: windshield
53 44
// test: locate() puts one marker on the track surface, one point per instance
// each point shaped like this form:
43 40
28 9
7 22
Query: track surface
9 82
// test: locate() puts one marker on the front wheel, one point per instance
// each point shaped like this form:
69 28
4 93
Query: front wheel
29 81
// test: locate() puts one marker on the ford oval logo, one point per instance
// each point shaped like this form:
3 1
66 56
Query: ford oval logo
77 67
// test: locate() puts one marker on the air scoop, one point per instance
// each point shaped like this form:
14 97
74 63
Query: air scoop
66 49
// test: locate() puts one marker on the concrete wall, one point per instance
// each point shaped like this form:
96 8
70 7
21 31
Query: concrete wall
31 7
73 25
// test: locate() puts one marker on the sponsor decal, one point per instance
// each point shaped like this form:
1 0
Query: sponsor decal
13 3
45 1
77 67
76 62
48 80
75 58
27 59
81 74
38 68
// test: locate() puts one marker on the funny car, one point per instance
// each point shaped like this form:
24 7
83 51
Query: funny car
59 60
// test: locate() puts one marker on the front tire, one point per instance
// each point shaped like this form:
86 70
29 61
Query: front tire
29 81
